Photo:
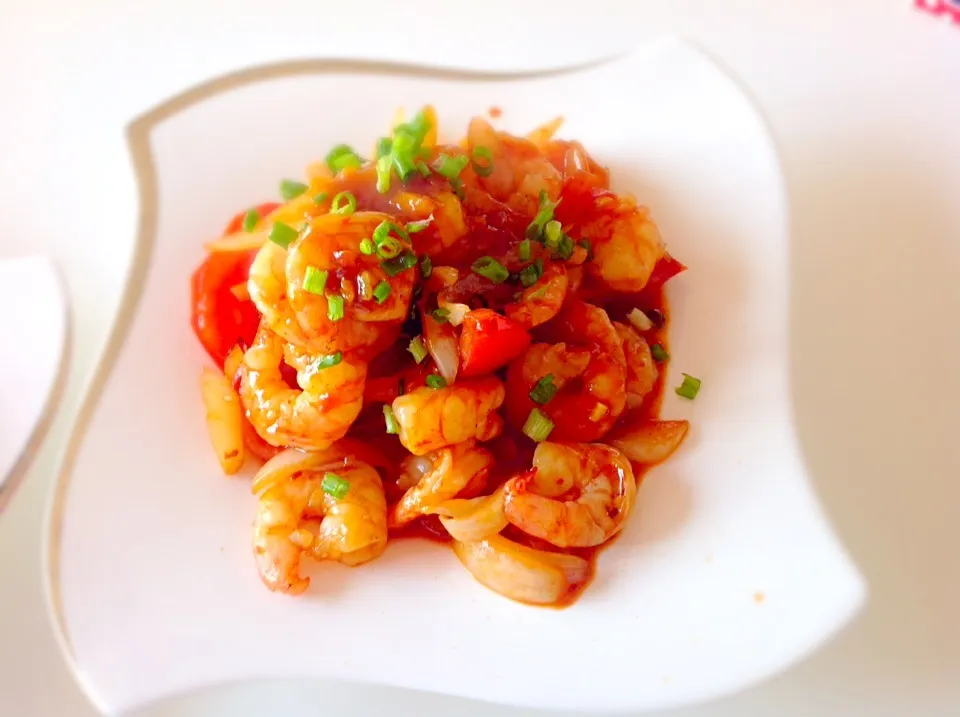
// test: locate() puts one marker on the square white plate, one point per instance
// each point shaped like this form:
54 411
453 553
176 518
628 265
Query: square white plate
727 570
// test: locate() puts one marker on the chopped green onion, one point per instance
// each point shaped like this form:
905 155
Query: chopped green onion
334 485
450 167
531 273
383 230
405 146
552 233
250 220
544 215
335 307
283 234
343 203
393 427
426 267
486 168
399 264
367 246
341 157
417 127
423 169
544 390
315 281
585 243
490 268
414 227
441 316
537 426
401 387
435 381
291 189
565 247
328 360
523 250
659 353
320 198
384 146
389 248
383 174
417 349
381 292
689 388
457 186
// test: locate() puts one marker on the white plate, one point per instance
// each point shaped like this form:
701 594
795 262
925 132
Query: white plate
31 361
727 571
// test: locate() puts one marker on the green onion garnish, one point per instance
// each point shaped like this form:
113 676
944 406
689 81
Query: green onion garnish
283 234
367 246
343 203
544 215
381 292
383 230
384 145
689 388
490 268
565 247
457 186
401 387
531 273
383 174
399 264
537 426
250 220
544 390
315 281
405 146
417 349
389 248
450 167
552 233
523 250
328 360
659 353
423 169
426 267
291 189
393 427
334 485
320 198
335 307
414 227
341 157
585 243
435 381
441 316
485 168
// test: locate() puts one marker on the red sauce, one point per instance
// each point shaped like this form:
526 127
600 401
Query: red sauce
495 112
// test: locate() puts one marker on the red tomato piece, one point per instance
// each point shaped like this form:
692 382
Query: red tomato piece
221 320
489 341
663 271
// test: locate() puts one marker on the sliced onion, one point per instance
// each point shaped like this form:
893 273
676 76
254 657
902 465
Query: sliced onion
224 419
649 442
455 310
522 573
291 460
473 519
640 321
443 347
544 133
239 241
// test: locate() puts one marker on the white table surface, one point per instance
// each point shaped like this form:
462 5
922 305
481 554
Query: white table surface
863 97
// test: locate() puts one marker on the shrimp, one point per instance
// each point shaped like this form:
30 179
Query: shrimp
344 314
626 246
321 412
586 366
430 419
579 496
519 170
541 301
296 517
438 477
641 368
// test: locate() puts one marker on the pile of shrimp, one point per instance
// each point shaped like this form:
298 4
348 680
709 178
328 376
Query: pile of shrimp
474 347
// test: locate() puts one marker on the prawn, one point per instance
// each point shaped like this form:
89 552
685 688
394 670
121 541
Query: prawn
315 415
430 419
641 368
626 246
541 301
438 477
296 517
579 495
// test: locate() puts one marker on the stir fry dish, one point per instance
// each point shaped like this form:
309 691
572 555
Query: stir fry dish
459 341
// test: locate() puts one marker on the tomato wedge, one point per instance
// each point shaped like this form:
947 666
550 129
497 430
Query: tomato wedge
489 341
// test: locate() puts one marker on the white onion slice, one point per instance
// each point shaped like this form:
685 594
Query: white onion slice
443 347
473 519
224 419
649 442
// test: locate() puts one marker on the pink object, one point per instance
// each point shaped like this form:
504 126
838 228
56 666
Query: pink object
949 8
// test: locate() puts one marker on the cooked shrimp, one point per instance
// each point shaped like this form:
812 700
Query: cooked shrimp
330 247
329 399
641 368
438 477
296 517
267 286
626 246
522 573
579 496
434 418
519 171
541 301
